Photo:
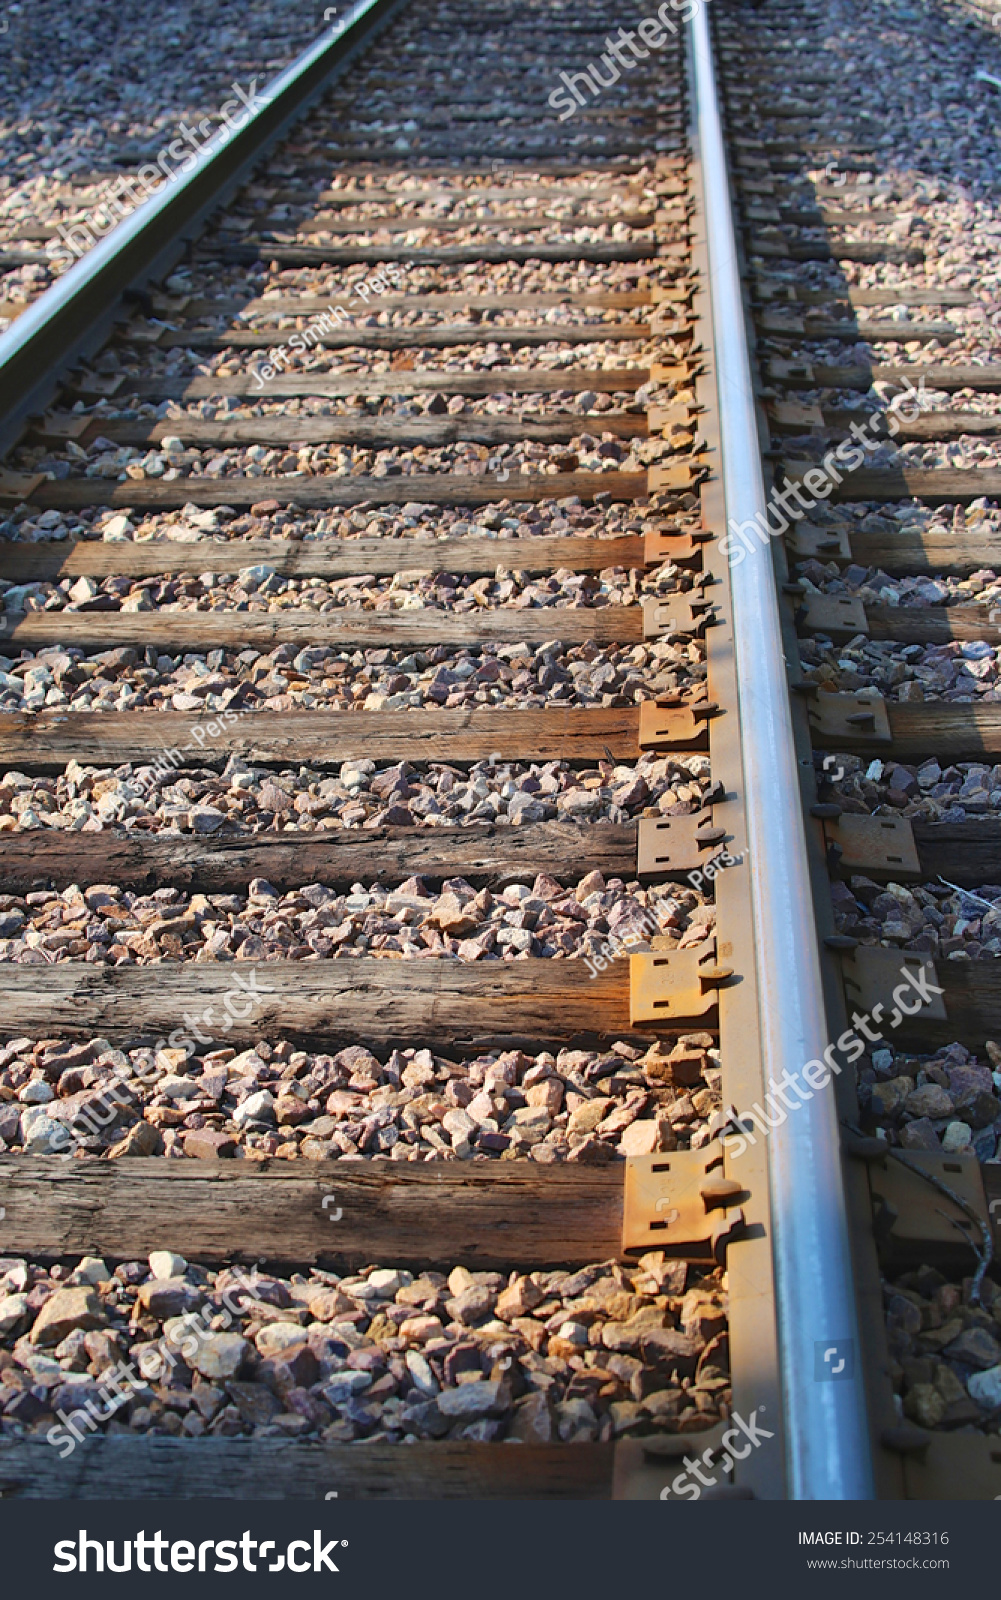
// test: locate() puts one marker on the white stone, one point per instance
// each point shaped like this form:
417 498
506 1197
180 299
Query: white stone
188 1325
258 1107
205 518
42 1135
167 1264
985 1387
957 1136
247 1063
523 808
117 528
574 1333
205 819
471 1400
458 1123
14 1314
90 1270
44 1369
420 1370
179 1089
253 577
579 802
15 597
220 1355
529 1117
279 1336
36 1093
388 1281
343 1386
363 1291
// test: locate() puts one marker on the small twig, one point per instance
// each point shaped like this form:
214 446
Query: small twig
988 905
985 1254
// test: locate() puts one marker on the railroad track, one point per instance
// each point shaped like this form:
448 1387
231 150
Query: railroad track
401 772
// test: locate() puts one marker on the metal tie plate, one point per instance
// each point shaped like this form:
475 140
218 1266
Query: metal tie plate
681 546
879 847
689 613
872 975
674 987
849 721
682 1203
677 845
841 617
677 727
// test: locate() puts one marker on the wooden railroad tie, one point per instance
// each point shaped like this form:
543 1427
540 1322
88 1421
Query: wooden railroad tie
407 432
789 417
426 1214
455 255
46 741
401 338
906 730
863 374
684 615
841 617
326 492
376 385
329 558
898 552
941 486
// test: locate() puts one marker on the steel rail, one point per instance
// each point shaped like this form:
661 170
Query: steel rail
75 316
825 1428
